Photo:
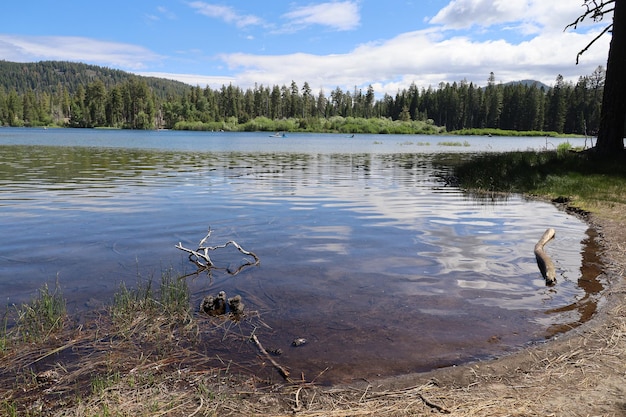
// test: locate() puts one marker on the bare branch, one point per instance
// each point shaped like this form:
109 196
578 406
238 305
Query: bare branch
596 9
596 12
606 29
200 256
205 238
195 257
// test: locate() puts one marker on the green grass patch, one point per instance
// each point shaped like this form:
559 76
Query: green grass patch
99 383
41 317
133 310
9 408
454 143
4 339
503 132
581 178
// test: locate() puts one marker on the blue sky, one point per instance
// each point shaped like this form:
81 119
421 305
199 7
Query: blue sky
346 43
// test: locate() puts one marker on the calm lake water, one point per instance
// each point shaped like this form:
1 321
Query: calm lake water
364 250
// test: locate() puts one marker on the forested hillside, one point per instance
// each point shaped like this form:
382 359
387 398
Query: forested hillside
54 76
79 95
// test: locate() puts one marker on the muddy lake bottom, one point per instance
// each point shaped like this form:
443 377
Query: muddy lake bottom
366 252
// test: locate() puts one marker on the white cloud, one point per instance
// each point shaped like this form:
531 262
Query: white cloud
427 59
459 14
163 11
73 48
536 15
337 15
226 13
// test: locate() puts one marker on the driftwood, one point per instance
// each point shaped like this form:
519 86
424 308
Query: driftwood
200 256
543 260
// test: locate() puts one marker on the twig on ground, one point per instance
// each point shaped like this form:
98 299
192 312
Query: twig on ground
432 404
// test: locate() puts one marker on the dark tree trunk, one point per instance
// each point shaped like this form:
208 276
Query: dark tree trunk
611 134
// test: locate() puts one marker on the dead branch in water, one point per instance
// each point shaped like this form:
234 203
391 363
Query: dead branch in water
282 371
200 256
543 260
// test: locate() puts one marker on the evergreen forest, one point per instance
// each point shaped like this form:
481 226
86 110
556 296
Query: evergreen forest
54 93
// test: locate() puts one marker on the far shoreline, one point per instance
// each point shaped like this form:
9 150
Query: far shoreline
348 126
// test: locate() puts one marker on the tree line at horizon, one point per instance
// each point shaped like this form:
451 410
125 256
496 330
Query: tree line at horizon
136 102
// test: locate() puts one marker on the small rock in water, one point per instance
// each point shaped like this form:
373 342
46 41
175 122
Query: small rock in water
298 342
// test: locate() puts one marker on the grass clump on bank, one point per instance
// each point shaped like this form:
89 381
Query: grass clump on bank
146 354
503 132
35 321
143 310
578 177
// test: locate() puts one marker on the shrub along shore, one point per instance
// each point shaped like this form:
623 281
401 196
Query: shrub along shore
142 356
336 124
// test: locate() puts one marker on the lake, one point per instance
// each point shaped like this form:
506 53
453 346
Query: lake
364 249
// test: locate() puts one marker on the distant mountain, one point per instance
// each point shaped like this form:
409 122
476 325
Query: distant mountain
529 83
50 76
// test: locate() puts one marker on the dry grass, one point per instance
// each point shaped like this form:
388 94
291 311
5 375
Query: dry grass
142 356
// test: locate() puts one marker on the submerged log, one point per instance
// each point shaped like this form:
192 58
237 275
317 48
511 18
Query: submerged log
543 260
282 371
